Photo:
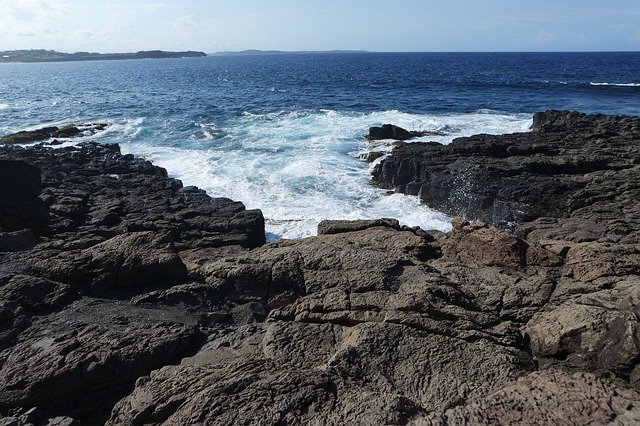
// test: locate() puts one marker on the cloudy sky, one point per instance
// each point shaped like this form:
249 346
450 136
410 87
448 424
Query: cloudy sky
377 25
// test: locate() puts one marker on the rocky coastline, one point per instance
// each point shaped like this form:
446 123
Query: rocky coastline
128 298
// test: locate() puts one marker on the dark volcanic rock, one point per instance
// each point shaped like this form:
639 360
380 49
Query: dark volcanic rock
44 133
147 302
20 207
361 331
91 221
567 164
390 131
72 361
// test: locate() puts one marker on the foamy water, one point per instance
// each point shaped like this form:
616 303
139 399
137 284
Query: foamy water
283 133
299 167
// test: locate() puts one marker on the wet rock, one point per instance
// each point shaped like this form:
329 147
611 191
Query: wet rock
44 133
571 165
388 131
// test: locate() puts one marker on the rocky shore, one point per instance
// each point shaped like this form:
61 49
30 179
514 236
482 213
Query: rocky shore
127 298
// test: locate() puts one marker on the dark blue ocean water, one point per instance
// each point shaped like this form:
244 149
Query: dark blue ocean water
283 132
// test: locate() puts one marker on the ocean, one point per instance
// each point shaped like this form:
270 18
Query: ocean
284 132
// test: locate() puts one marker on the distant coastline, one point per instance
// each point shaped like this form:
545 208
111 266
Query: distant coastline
41 55
280 52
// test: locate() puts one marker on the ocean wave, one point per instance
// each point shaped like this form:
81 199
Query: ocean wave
616 84
127 128
300 167
3 105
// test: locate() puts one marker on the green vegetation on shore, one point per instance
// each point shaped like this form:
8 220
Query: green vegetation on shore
41 55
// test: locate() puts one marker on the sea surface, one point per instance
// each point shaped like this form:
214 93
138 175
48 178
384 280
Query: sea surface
283 133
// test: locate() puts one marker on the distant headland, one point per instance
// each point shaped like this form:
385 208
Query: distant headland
282 52
41 55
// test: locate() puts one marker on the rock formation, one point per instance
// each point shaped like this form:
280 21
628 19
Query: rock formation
145 302
570 165
390 131
51 132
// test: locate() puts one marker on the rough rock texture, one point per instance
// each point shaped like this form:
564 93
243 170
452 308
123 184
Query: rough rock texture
570 165
579 399
143 302
84 222
360 330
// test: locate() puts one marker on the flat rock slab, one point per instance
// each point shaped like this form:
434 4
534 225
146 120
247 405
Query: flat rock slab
88 351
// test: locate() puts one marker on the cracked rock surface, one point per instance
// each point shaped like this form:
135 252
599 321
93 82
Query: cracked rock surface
133 300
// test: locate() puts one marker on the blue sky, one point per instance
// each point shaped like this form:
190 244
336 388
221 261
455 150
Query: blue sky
399 25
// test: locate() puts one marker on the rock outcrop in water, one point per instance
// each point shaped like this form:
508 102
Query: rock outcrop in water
138 301
51 132
570 165
390 131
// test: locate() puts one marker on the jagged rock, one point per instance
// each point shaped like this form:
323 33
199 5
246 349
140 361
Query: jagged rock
571 165
93 189
367 336
370 157
389 131
117 226
327 227
369 322
478 243
24 239
136 259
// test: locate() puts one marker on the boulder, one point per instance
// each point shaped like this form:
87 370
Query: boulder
389 131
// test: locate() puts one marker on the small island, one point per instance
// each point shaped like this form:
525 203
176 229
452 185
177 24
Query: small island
41 55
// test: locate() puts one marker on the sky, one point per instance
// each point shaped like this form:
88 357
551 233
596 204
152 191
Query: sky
375 25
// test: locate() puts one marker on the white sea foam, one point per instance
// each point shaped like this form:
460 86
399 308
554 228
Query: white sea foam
302 167
3 106
616 84
129 128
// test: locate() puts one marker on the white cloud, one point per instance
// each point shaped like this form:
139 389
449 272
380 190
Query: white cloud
188 22
543 37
